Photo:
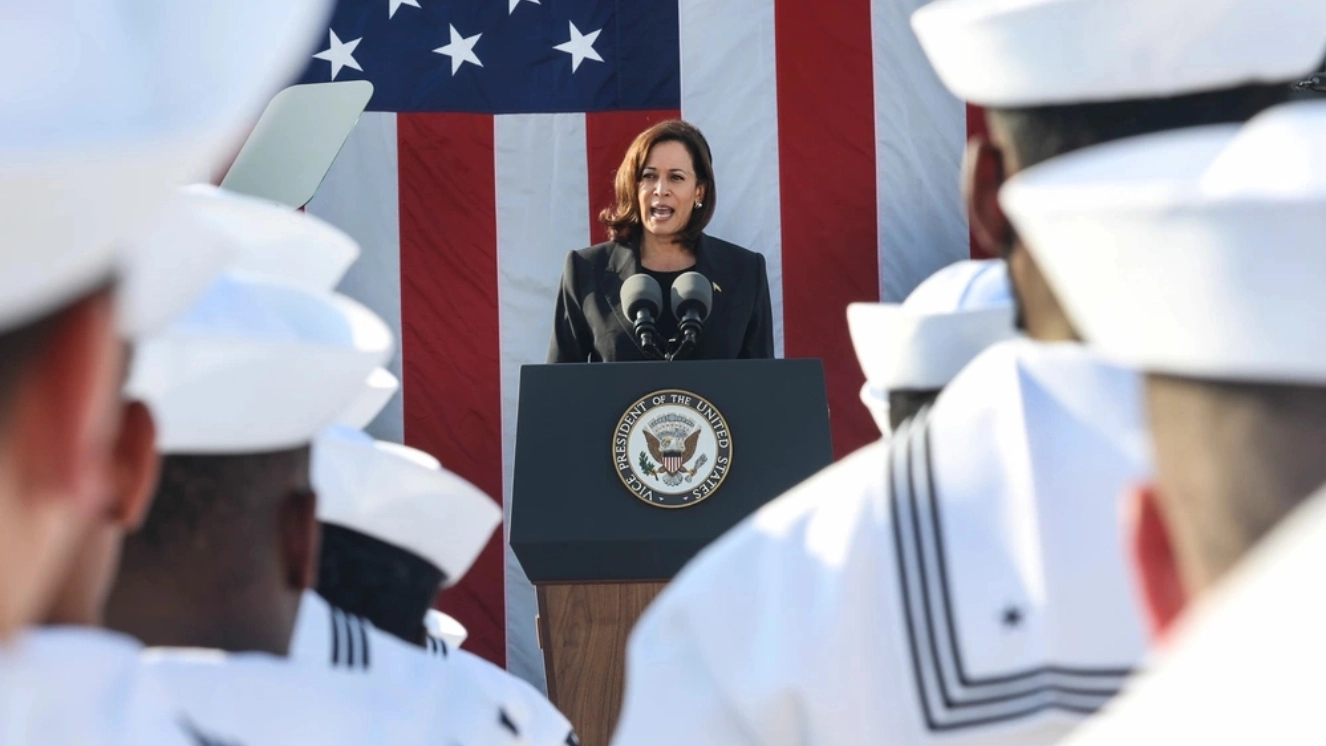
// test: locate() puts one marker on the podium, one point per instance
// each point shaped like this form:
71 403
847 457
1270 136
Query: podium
623 473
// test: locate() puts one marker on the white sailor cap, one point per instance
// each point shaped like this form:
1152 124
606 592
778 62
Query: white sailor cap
169 269
1194 252
280 243
256 366
946 321
381 385
445 628
91 142
401 496
1020 53
205 230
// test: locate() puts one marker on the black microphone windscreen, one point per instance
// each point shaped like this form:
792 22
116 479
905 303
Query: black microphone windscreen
641 292
692 290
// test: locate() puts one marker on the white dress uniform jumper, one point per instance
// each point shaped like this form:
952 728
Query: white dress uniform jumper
957 585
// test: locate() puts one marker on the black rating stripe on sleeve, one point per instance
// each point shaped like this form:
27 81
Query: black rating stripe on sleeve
349 641
437 646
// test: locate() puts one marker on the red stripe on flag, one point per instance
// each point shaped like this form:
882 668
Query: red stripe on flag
826 152
976 128
449 332
607 136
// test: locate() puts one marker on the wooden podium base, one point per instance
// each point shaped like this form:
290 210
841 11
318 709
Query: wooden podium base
583 628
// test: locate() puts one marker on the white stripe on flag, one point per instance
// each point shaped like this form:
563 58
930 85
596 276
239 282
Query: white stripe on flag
360 196
920 134
728 82
542 213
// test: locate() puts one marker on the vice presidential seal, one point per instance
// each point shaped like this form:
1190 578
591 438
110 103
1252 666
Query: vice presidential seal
672 449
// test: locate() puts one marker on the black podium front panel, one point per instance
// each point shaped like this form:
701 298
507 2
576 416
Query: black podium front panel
608 484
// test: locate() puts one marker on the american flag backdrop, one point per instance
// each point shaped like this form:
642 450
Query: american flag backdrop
491 143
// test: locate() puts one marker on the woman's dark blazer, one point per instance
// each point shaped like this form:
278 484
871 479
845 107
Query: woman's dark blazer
590 324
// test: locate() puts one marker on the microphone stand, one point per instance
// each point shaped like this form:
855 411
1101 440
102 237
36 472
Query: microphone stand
646 333
652 348
690 335
683 349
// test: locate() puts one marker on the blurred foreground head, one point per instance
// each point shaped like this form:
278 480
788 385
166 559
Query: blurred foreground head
1059 75
90 145
239 388
1195 256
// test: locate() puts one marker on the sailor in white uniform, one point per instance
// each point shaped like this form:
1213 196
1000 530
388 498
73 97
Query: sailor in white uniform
204 378
89 147
72 645
80 684
909 351
239 387
225 553
957 579
444 631
396 527
222 231
88 150
1214 235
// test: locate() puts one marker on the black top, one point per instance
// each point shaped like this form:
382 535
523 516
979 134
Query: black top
589 324
667 322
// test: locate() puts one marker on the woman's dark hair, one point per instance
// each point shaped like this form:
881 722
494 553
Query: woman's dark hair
623 218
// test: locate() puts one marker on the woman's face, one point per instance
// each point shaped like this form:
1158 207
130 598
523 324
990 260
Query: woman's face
668 189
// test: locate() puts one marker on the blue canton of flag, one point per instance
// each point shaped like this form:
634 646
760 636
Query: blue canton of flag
505 56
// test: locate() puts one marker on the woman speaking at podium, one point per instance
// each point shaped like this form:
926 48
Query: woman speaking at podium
665 196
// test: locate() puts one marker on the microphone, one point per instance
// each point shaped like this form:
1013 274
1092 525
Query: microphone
692 299
642 299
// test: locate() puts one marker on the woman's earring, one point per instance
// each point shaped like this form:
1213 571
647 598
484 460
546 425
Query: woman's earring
698 205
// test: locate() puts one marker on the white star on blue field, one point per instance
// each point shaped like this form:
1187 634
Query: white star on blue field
505 56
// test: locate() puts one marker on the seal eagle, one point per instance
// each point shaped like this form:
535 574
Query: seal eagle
672 452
